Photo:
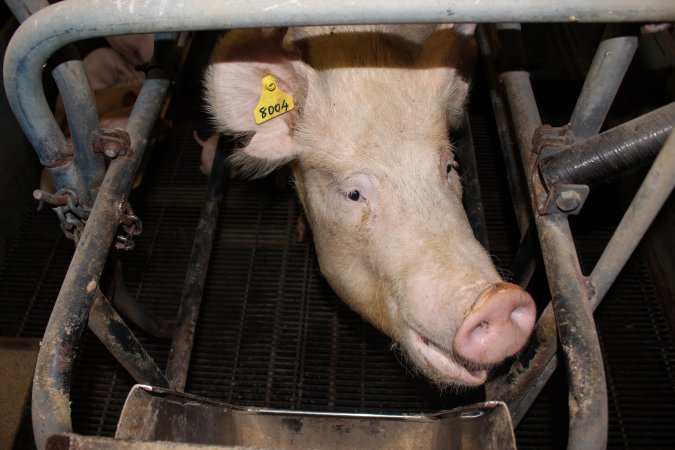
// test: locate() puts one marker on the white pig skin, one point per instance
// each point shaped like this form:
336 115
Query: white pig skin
373 166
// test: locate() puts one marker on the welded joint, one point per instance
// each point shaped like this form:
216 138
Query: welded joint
112 142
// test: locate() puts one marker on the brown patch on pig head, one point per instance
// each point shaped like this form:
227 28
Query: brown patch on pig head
374 169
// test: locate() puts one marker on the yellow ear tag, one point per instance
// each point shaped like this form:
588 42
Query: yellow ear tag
273 101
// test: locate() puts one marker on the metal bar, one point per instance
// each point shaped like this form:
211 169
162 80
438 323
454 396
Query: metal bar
65 22
604 77
491 52
570 296
80 108
114 334
527 376
186 322
136 312
51 383
646 204
471 197
627 146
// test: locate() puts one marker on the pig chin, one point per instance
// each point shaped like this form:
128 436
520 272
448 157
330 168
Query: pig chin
439 363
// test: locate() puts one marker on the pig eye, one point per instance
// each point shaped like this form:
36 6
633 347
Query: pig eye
452 165
354 195
357 190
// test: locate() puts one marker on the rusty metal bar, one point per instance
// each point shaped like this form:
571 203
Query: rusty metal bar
628 146
51 383
195 278
570 293
654 191
602 82
114 334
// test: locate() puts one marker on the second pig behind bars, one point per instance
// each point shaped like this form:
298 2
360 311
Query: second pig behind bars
361 114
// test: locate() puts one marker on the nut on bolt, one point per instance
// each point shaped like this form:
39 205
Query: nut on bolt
568 201
112 142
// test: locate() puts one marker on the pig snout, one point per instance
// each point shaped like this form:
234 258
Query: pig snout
498 325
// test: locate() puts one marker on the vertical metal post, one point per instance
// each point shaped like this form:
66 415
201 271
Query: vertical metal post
473 203
514 177
570 294
195 278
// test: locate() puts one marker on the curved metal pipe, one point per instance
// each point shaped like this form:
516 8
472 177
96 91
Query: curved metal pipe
80 107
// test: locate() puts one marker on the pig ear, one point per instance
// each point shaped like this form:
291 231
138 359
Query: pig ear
233 85
453 48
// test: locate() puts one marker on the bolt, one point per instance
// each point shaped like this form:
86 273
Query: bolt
110 153
568 201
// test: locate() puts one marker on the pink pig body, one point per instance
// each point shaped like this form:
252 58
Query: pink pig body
373 165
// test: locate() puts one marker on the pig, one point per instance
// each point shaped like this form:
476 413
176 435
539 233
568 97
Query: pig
367 143
208 151
106 68
135 48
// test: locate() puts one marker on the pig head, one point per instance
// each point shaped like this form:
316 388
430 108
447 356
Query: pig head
373 166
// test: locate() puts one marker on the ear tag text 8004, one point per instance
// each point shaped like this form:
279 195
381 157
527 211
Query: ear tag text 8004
273 101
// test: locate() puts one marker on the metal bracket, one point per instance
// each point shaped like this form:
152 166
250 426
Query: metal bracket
559 198
71 214
112 142
131 225
547 137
